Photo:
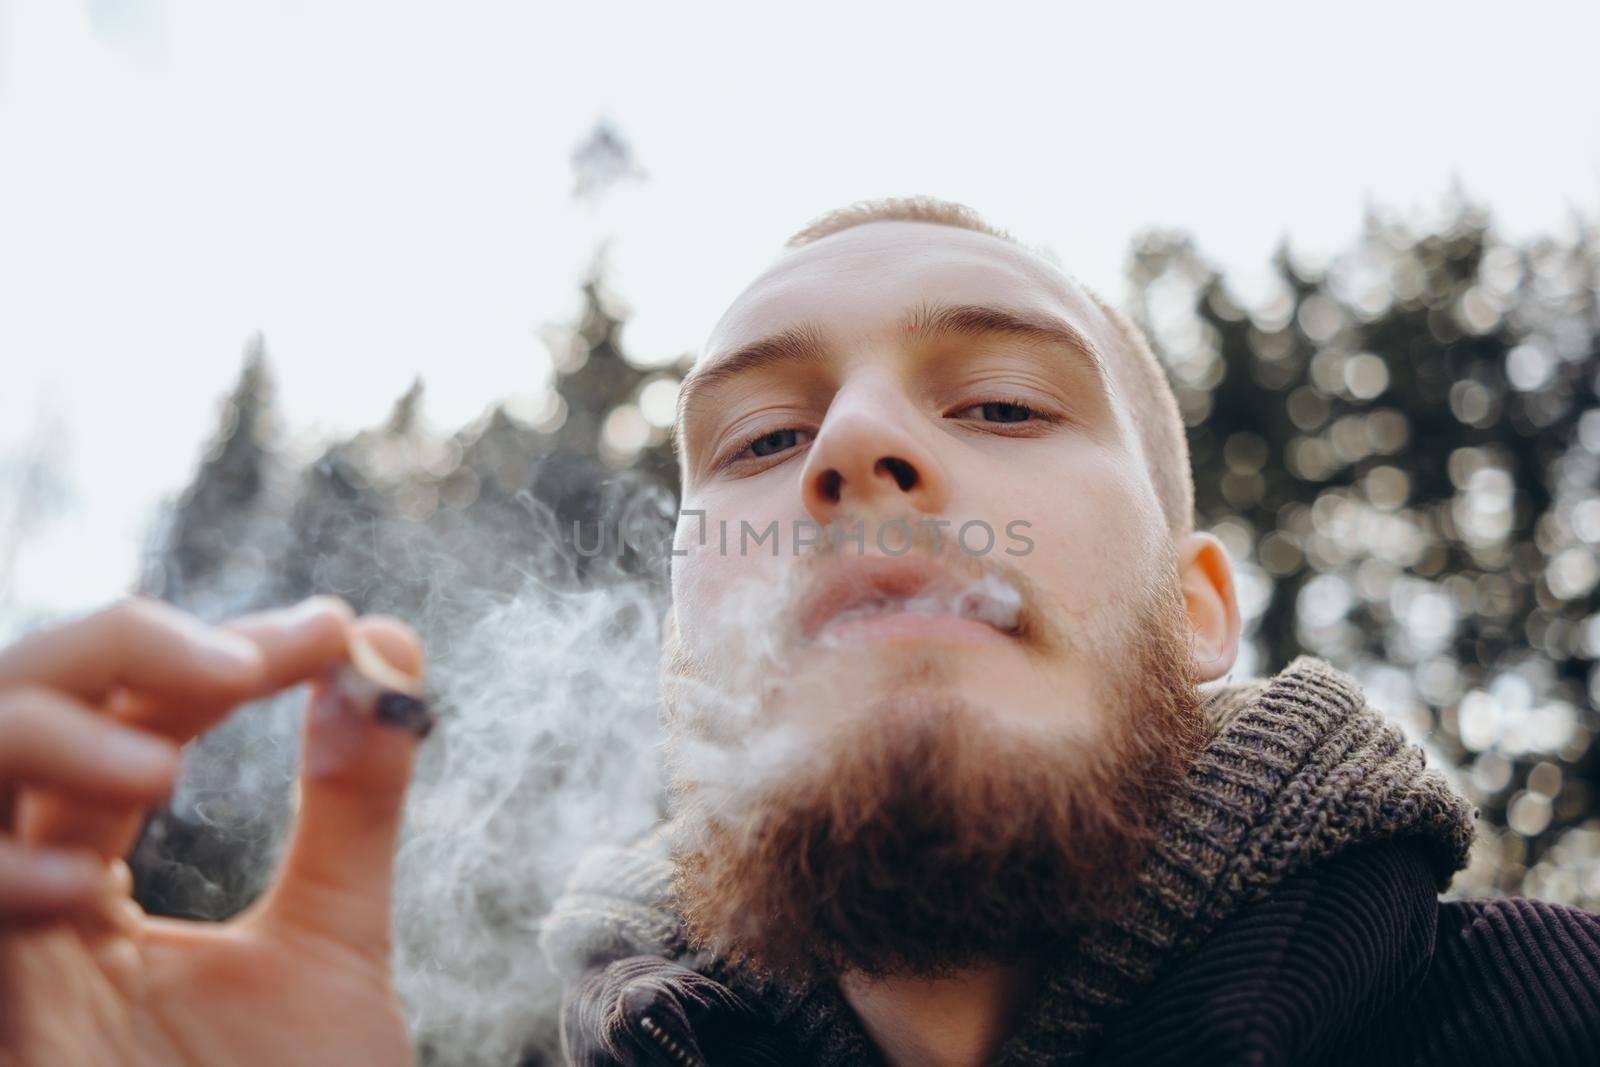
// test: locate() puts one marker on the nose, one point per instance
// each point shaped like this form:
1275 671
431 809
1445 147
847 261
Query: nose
870 454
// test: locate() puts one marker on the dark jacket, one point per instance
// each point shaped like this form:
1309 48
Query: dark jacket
1290 915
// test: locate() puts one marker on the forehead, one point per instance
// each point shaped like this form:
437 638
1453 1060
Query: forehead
858 281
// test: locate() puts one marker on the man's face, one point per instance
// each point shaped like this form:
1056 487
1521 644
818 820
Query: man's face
958 746
1018 443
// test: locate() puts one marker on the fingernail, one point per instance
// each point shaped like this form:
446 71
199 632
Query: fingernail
120 876
337 731
63 872
137 753
315 607
231 651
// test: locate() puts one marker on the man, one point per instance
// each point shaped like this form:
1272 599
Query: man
945 789
957 800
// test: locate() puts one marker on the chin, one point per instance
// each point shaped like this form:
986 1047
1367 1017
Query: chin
1001 696
938 830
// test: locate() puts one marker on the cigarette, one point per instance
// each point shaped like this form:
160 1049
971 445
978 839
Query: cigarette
391 696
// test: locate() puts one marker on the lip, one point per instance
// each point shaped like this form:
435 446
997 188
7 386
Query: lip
910 627
859 581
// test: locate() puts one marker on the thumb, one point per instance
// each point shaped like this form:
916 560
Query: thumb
338 869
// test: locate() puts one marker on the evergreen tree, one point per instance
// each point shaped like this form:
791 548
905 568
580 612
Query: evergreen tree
214 549
1400 447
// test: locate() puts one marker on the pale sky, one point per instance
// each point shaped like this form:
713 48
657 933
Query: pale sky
384 189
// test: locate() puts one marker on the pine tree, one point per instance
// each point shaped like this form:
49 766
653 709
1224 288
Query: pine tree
1400 448
215 548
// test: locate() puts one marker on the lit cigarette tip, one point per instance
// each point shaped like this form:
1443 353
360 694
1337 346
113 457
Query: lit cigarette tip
391 696
405 711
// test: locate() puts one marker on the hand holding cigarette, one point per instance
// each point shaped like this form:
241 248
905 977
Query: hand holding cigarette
92 715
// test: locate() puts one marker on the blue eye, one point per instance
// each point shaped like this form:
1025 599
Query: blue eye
1004 411
771 444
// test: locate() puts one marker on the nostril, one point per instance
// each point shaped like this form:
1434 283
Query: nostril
905 475
829 483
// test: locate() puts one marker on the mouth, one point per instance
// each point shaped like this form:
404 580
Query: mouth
912 599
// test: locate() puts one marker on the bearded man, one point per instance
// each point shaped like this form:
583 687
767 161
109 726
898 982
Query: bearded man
947 798
946 787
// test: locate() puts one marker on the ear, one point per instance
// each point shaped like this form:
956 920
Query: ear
1206 575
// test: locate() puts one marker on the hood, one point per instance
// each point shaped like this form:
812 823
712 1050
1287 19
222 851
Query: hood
1297 771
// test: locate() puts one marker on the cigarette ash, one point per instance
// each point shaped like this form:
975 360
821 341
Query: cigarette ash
394 698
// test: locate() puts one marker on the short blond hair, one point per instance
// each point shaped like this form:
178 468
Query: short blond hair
1143 379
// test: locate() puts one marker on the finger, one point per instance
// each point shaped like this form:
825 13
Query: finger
50 740
120 877
40 883
338 867
397 642
294 644
141 644
290 644
297 643
117 915
119 920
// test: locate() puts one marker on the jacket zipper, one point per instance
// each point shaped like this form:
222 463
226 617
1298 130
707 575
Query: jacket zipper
679 1055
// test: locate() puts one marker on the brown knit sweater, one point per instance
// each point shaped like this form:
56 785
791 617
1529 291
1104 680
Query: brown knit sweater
1297 770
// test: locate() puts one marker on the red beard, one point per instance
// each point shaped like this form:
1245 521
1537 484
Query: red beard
925 840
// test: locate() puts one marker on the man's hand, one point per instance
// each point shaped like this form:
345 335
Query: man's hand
91 719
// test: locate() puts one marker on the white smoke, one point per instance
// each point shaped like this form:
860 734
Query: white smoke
551 749
550 744
753 708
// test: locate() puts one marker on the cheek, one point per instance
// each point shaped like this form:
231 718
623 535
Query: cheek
1094 536
720 591
697 580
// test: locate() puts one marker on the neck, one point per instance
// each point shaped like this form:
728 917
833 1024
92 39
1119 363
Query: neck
956 1021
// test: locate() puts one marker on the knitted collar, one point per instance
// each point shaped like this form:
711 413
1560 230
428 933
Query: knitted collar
1298 768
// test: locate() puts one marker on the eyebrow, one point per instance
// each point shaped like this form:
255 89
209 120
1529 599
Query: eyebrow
928 322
